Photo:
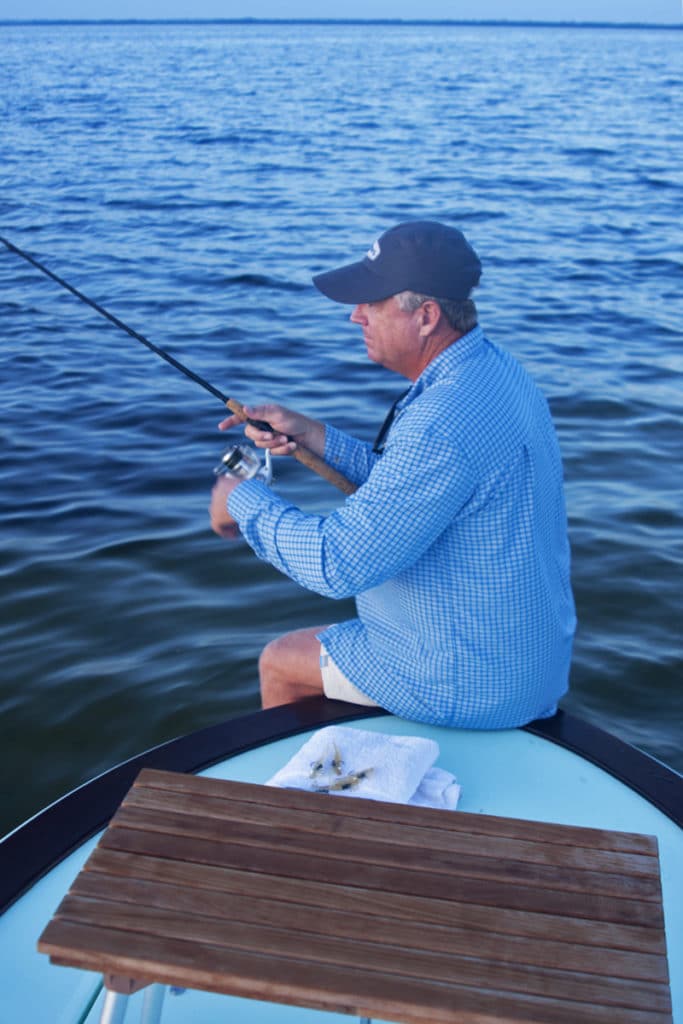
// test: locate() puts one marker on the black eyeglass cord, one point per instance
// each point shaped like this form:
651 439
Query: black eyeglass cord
378 446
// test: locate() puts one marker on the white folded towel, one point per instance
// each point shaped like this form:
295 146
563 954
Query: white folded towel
356 762
437 789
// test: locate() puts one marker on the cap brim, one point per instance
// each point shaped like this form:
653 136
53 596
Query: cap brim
352 284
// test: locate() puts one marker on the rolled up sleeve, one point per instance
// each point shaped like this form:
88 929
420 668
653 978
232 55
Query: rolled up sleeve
408 500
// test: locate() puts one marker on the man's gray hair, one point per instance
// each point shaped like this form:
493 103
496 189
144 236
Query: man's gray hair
461 315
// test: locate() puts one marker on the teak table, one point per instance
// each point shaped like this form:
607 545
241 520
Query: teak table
374 909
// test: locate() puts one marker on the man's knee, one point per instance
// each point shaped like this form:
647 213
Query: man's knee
272 660
289 668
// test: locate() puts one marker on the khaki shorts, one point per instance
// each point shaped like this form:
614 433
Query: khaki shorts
337 687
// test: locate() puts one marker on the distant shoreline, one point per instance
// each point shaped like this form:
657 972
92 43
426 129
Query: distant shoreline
398 22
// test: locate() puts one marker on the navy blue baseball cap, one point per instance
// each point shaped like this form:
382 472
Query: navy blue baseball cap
419 256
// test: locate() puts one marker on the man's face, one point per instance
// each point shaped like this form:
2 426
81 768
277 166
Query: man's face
391 335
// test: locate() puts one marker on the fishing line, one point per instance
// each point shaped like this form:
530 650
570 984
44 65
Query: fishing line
118 323
303 455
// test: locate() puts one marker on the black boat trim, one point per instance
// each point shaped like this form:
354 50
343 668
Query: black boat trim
43 841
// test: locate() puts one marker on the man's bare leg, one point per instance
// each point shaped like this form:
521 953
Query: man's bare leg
289 668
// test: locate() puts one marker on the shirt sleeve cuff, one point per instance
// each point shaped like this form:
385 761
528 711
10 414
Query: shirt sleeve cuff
352 457
243 500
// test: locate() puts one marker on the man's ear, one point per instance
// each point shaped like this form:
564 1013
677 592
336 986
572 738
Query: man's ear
430 316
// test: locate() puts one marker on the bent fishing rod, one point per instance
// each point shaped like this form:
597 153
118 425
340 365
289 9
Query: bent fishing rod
303 455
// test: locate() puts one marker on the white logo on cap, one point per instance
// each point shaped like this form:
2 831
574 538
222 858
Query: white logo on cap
374 252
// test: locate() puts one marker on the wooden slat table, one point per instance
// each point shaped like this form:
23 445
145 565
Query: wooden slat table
373 909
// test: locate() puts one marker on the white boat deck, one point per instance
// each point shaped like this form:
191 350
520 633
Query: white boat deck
511 773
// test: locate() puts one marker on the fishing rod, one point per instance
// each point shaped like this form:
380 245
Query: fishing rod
303 455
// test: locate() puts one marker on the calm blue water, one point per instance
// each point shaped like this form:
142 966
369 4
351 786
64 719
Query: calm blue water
192 178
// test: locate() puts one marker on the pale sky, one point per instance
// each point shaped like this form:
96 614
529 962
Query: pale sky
652 11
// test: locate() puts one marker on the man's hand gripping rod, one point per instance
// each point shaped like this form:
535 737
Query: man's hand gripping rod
303 455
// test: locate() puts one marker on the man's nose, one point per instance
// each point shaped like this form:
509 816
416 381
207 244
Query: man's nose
358 316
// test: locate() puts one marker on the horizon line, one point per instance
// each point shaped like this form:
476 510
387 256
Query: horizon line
512 22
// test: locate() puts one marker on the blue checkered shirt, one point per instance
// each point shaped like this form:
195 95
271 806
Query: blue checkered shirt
454 546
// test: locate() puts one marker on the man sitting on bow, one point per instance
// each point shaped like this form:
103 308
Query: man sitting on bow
455 543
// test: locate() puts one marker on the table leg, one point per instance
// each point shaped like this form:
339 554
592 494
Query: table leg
151 1007
114 1009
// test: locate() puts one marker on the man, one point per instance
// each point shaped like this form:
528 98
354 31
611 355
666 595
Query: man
455 543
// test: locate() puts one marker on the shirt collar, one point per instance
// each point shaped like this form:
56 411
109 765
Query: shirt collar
446 363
